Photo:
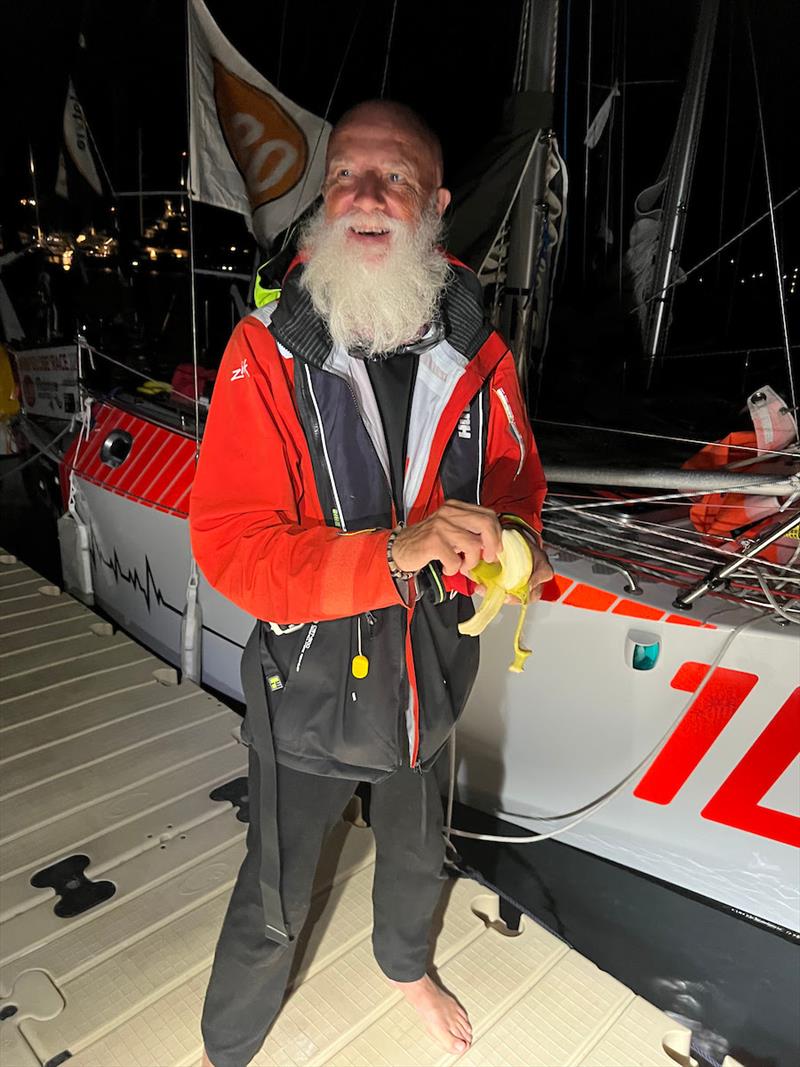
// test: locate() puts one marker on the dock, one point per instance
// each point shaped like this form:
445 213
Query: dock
123 815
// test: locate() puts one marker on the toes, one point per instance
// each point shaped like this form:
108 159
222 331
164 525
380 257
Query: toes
460 1031
459 1046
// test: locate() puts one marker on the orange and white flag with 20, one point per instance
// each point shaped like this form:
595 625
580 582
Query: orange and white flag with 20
252 150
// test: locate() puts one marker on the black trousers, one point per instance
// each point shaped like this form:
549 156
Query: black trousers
249 974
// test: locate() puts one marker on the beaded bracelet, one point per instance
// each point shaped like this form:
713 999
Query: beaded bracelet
394 570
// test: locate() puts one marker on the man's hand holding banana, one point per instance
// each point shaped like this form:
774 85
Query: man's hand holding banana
508 566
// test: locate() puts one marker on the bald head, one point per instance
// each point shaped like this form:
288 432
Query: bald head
384 159
391 113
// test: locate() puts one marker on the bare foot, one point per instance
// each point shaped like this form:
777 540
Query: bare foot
443 1016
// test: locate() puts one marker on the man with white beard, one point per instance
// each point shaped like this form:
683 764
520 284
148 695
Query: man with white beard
365 445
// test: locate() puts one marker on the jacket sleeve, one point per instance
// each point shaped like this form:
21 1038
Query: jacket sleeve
513 482
245 515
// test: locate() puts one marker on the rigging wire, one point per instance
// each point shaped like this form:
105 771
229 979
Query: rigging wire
773 231
716 252
610 141
585 146
670 556
663 532
131 370
623 115
291 228
745 209
388 50
284 14
660 437
726 129
772 601
647 499
726 352
44 450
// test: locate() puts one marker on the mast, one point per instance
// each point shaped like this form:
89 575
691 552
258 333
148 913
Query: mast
535 77
679 182
35 197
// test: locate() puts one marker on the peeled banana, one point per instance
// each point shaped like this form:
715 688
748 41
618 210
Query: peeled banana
510 574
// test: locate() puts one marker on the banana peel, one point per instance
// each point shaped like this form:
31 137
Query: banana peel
509 575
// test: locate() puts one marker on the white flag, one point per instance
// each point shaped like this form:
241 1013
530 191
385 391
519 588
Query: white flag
251 149
76 139
599 122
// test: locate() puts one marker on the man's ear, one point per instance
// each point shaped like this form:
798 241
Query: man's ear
442 200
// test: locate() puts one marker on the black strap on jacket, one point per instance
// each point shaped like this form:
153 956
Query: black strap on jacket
260 727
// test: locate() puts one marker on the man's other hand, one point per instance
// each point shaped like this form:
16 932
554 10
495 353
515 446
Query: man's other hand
457 534
541 573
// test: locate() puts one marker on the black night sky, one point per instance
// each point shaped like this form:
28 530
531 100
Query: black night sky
453 62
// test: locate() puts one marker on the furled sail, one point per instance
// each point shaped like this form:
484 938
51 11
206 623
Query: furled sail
653 256
252 150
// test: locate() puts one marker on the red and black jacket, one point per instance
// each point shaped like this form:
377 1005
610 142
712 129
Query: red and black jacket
291 510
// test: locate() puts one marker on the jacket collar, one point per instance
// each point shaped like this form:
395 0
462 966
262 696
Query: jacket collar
298 327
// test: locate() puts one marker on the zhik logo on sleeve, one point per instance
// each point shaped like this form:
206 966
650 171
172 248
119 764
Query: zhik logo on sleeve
240 372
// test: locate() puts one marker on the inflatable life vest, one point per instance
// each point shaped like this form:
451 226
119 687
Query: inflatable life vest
741 516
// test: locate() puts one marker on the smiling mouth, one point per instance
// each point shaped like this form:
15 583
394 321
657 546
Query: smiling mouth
368 232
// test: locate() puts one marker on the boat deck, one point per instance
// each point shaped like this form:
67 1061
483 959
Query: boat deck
123 810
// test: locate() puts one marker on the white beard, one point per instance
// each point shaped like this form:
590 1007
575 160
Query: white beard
374 306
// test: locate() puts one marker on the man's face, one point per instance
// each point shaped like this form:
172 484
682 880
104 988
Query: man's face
379 168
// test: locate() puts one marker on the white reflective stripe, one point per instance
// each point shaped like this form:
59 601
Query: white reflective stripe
480 447
410 724
438 373
354 372
325 448
512 423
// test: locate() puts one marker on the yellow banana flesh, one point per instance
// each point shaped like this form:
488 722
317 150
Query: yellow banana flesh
511 574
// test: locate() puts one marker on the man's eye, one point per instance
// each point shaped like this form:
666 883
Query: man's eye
394 177
344 172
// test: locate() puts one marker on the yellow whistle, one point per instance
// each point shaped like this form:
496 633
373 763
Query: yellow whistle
360 666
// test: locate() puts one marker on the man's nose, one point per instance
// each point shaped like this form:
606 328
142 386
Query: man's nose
369 194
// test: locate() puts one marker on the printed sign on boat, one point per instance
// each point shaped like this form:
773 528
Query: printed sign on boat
48 379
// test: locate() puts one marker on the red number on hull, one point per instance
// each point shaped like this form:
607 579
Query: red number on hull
698 729
736 802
